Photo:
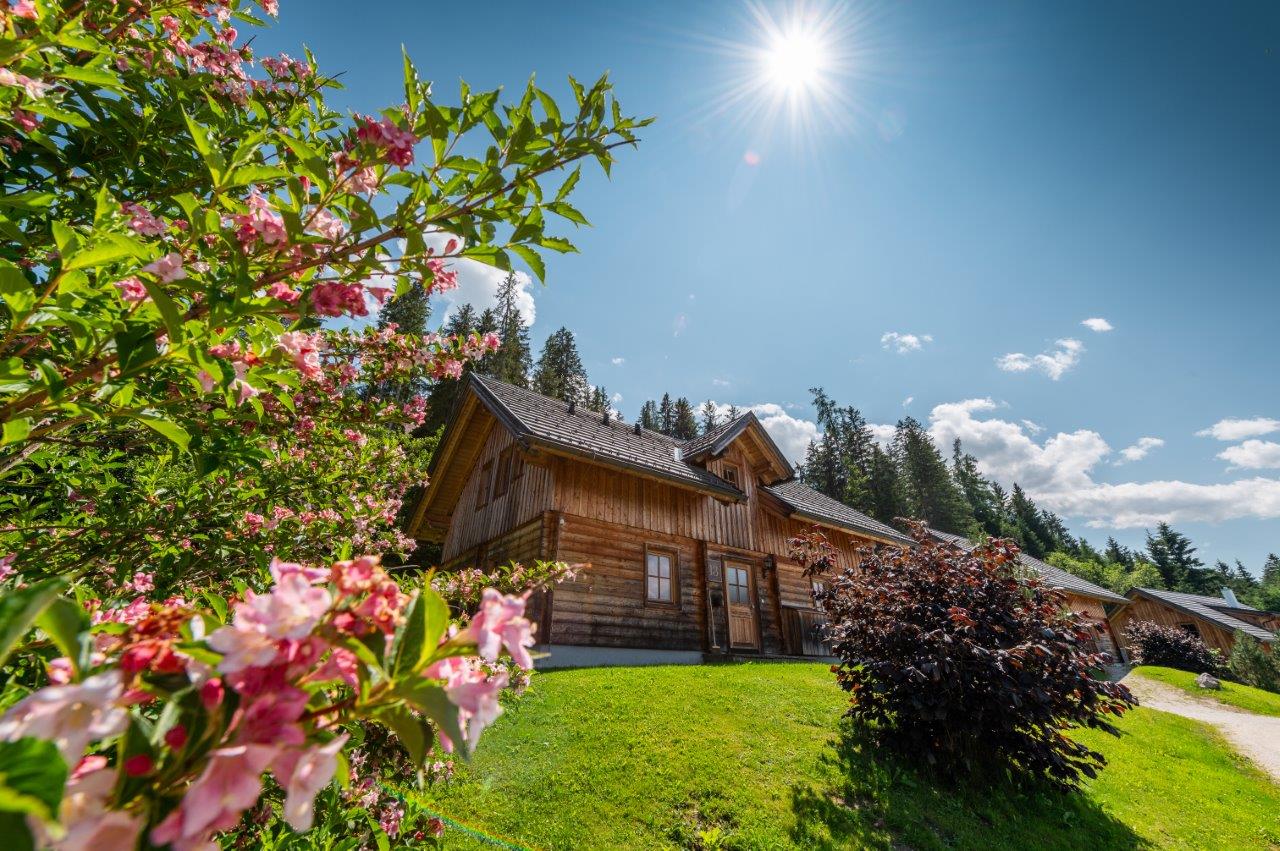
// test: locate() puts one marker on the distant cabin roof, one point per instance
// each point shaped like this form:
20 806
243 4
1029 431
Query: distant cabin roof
1054 576
1215 610
534 418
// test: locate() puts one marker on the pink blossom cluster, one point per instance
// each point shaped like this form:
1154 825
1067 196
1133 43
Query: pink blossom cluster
142 221
332 298
34 89
260 224
286 67
304 350
132 290
396 143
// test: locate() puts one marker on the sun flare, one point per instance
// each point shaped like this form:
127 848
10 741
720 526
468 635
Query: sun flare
795 61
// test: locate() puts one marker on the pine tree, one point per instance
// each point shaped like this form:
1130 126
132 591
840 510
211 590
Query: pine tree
1027 524
887 503
684 424
666 415
599 399
1174 556
709 419
409 312
444 392
734 413
931 494
649 416
559 372
513 359
1271 570
1116 554
985 499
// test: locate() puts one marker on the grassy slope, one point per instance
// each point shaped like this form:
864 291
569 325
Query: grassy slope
651 757
1243 697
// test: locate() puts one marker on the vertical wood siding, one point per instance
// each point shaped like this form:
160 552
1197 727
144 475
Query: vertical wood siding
1143 609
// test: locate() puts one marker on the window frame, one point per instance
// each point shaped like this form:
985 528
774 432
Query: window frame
728 469
486 484
502 474
748 588
673 557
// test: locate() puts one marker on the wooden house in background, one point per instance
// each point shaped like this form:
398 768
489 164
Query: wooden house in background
685 541
1215 620
1099 605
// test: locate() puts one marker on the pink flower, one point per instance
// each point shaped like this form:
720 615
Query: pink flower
342 665
141 221
283 292
492 341
24 9
176 736
230 784
132 290
443 278
244 390
474 693
211 693
27 121
271 718
260 223
291 610
305 351
59 670
6 566
207 381
141 582
308 772
242 645
138 765
501 623
168 268
281 569
88 824
396 143
328 225
71 716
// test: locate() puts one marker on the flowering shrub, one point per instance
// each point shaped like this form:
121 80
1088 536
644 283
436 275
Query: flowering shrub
955 658
165 717
1151 643
182 435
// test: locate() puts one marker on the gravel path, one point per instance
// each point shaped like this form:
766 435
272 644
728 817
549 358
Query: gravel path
1256 736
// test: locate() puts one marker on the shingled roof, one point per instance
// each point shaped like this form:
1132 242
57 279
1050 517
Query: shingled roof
534 418
1213 609
809 504
1054 576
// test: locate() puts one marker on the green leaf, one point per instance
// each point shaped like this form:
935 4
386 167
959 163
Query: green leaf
165 428
15 430
168 310
32 776
568 211
247 174
113 247
411 732
425 622
429 698
68 626
19 610
533 259
490 255
16 290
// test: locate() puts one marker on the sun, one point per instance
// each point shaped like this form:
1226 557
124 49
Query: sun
796 61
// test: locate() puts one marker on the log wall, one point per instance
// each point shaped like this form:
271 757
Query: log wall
1143 609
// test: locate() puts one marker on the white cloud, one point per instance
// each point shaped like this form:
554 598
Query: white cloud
1058 473
882 433
1238 429
1033 427
1139 450
615 398
1053 363
618 361
478 283
907 401
679 324
904 343
1097 323
1253 454
719 382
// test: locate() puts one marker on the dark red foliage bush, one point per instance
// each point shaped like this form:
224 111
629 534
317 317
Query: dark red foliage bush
1151 643
960 660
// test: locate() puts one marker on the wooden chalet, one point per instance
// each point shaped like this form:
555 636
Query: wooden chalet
1215 620
684 542
1099 605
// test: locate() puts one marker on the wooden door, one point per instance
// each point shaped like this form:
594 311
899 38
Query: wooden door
740 602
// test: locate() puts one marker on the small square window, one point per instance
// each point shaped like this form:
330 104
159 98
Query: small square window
502 477
659 577
730 475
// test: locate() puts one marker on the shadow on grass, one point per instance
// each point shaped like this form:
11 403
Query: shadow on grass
877 800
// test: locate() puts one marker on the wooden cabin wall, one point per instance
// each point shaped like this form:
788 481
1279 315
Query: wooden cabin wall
1143 609
794 588
527 497
598 493
1096 612
606 606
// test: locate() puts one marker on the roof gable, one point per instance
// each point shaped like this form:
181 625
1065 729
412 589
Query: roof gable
748 429
1210 609
805 503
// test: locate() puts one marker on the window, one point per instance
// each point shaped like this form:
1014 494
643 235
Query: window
486 478
517 465
730 475
818 587
1190 629
502 478
660 576
739 585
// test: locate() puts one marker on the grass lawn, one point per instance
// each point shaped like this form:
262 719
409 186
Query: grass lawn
753 756
1243 697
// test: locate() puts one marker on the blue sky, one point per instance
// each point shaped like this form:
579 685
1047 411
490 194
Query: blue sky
993 176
